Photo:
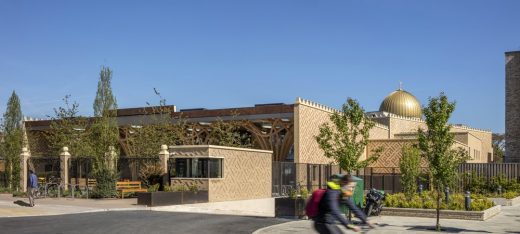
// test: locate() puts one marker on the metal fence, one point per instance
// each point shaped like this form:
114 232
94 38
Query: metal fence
46 168
489 170
80 170
129 168
289 176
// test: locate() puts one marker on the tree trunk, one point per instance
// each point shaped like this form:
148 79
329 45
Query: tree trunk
438 225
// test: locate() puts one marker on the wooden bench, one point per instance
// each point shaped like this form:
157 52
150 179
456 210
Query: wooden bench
129 186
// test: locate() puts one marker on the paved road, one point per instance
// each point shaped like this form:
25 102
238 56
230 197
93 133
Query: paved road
508 221
135 222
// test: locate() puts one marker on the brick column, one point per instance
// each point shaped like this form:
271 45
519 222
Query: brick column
24 168
164 155
64 166
112 157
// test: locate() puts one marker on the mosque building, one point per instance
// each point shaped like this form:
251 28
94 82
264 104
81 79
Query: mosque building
289 130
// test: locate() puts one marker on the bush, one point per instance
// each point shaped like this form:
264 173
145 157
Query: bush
427 200
181 188
481 204
151 173
510 195
153 188
304 193
193 188
5 190
105 183
168 188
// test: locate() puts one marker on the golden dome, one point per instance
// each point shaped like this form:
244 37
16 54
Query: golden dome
402 103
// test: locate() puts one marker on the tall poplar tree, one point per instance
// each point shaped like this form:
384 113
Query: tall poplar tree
13 141
105 134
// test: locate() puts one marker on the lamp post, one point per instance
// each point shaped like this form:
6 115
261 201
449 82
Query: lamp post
447 195
467 200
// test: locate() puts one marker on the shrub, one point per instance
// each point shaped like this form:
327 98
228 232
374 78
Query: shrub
168 188
481 204
475 183
409 166
181 188
105 183
193 188
153 188
293 193
304 193
510 195
427 200
151 173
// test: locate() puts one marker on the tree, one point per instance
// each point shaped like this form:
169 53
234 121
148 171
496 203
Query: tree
160 128
13 141
410 169
436 144
69 129
498 142
105 135
345 139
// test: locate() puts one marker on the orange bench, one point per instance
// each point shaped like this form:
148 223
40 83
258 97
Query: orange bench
129 186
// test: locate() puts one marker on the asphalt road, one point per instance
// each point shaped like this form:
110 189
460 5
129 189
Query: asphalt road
136 222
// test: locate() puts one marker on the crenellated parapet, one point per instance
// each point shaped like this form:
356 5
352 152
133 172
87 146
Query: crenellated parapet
315 105
464 127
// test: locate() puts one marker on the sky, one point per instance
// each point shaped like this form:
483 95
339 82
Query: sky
223 54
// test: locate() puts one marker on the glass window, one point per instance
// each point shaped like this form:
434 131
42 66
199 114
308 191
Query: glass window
198 167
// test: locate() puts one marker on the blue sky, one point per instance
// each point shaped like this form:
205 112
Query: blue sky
218 54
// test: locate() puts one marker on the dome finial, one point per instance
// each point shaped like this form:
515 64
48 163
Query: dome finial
400 85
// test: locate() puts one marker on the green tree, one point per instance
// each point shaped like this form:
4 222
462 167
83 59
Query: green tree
69 129
13 141
104 135
436 144
498 142
160 128
410 169
345 139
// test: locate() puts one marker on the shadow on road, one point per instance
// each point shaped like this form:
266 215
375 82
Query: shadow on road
444 229
22 203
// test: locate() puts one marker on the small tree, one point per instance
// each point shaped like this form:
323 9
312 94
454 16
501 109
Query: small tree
410 170
436 146
345 139
13 140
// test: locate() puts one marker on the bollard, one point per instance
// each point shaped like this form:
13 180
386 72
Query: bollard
447 195
420 188
499 190
467 200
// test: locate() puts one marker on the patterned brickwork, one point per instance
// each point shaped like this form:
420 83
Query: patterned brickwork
201 184
247 175
308 117
392 152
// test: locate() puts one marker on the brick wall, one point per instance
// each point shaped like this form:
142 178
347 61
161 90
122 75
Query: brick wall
308 117
512 107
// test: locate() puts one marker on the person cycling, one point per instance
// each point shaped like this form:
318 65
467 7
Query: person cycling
329 212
